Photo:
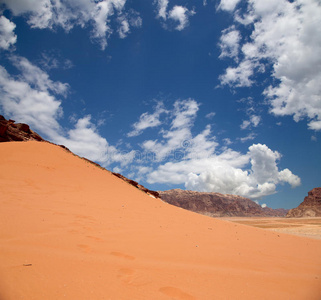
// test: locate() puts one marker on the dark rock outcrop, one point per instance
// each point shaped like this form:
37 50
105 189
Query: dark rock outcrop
310 207
11 131
218 205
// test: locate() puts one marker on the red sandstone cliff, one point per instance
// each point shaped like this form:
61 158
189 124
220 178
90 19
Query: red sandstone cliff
11 131
310 207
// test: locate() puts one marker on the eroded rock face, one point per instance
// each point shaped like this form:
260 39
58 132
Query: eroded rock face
310 207
11 131
218 205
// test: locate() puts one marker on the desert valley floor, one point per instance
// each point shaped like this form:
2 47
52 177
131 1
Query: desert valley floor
71 230
307 227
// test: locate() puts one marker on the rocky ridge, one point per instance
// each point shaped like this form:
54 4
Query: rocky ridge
218 205
11 131
310 207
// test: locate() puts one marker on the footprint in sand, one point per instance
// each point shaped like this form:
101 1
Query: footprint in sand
131 277
85 217
84 248
95 238
176 293
126 272
126 275
122 255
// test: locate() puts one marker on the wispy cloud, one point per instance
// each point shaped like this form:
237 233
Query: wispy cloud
251 136
36 77
183 115
210 115
7 35
161 8
128 20
253 121
147 120
85 140
230 43
52 60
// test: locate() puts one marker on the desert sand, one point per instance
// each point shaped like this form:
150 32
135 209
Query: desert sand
308 227
70 230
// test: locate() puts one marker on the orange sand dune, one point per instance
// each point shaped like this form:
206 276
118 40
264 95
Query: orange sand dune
70 230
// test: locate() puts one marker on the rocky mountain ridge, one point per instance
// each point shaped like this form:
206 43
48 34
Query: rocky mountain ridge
218 205
310 207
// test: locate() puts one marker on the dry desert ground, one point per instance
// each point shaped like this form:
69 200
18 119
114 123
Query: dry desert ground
307 227
70 230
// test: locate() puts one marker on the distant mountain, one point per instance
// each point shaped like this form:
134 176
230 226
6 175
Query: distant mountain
277 212
218 205
310 207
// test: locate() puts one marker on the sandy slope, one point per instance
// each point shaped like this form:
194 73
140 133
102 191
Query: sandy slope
69 230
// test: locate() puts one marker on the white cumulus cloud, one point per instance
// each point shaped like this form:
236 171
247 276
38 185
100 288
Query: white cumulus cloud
255 182
194 160
37 107
287 36
228 5
179 14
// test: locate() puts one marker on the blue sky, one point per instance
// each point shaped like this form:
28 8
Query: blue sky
218 96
